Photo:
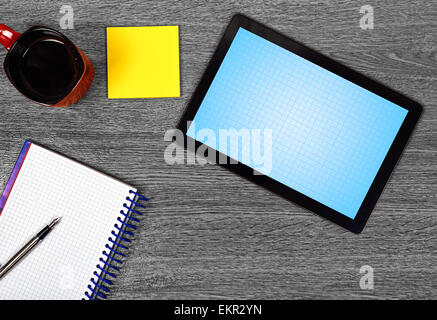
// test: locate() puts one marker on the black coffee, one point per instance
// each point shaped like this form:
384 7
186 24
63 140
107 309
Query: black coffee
47 68
44 65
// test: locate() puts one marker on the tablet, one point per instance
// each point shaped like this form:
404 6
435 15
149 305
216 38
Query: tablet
298 123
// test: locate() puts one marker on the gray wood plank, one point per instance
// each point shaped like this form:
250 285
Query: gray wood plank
209 233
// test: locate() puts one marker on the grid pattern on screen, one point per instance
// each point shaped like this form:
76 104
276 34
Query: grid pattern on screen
50 185
330 136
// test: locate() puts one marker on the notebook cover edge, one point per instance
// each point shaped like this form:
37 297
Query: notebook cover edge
14 174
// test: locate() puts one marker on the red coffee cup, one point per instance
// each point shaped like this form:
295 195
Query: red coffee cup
45 66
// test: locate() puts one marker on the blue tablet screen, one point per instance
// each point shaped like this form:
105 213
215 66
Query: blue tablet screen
318 133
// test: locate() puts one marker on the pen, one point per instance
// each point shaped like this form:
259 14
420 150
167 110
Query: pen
27 248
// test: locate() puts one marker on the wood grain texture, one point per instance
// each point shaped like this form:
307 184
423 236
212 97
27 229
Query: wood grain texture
209 233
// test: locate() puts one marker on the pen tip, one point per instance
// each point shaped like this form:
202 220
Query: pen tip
54 222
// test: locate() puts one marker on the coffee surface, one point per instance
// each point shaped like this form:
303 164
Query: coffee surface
48 69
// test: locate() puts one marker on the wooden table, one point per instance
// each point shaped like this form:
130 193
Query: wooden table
209 233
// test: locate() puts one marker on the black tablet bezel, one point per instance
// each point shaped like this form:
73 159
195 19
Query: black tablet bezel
414 110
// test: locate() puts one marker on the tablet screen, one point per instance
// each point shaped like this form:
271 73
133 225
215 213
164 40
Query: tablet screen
324 136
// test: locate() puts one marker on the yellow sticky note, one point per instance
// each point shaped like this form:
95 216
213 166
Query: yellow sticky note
143 62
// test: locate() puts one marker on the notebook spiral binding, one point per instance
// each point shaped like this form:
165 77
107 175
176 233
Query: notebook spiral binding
119 241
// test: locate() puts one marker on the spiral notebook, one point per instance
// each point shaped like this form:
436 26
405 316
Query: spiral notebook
80 258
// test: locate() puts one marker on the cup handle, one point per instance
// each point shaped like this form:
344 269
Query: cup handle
8 36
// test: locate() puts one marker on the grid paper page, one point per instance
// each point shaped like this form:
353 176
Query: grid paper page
329 136
49 186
